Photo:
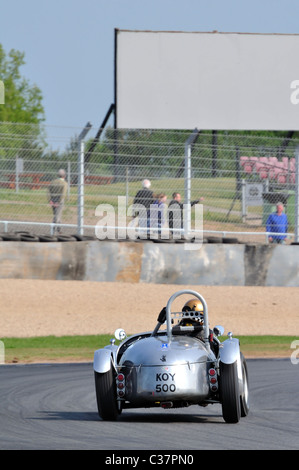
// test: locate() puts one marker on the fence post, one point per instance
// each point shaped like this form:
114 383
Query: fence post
81 188
68 178
297 196
19 169
187 174
127 186
244 206
81 178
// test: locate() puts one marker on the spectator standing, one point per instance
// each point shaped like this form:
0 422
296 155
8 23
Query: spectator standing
141 205
175 213
57 195
157 213
277 225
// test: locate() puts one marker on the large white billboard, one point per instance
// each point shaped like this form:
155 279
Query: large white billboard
182 80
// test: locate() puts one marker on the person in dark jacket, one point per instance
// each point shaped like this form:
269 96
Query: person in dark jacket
175 213
141 205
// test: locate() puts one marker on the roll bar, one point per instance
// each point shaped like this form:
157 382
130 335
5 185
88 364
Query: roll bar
205 312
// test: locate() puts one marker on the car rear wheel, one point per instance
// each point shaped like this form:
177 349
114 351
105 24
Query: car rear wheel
106 395
229 389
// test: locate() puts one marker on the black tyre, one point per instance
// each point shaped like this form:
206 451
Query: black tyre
106 395
47 238
10 237
229 392
66 238
22 232
214 239
230 240
82 238
29 238
244 397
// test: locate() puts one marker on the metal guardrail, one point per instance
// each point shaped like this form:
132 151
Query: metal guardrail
115 229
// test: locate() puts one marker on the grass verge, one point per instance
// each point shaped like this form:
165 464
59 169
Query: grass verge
81 348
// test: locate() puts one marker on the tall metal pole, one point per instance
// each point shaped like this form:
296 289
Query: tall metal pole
81 178
187 202
81 188
297 196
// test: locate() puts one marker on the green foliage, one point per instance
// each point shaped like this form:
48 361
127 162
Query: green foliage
23 101
22 113
65 348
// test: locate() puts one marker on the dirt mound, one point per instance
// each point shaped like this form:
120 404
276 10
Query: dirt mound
41 308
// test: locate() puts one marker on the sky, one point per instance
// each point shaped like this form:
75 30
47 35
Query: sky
69 44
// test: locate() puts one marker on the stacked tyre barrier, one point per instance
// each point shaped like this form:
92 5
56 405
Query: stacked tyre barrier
25 236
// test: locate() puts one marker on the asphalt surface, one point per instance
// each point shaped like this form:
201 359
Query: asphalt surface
54 407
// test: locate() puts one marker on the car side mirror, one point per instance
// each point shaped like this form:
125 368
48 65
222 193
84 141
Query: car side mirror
218 330
120 334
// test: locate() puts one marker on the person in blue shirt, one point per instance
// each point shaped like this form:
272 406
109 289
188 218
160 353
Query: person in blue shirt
277 223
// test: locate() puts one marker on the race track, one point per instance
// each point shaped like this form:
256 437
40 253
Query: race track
53 407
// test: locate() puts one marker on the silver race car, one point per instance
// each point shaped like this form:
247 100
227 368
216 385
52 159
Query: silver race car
180 363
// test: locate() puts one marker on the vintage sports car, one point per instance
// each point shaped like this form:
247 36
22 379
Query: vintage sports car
179 364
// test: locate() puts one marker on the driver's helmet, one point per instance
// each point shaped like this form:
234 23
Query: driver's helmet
192 312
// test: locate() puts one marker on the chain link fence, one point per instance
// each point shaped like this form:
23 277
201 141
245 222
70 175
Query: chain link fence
237 177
